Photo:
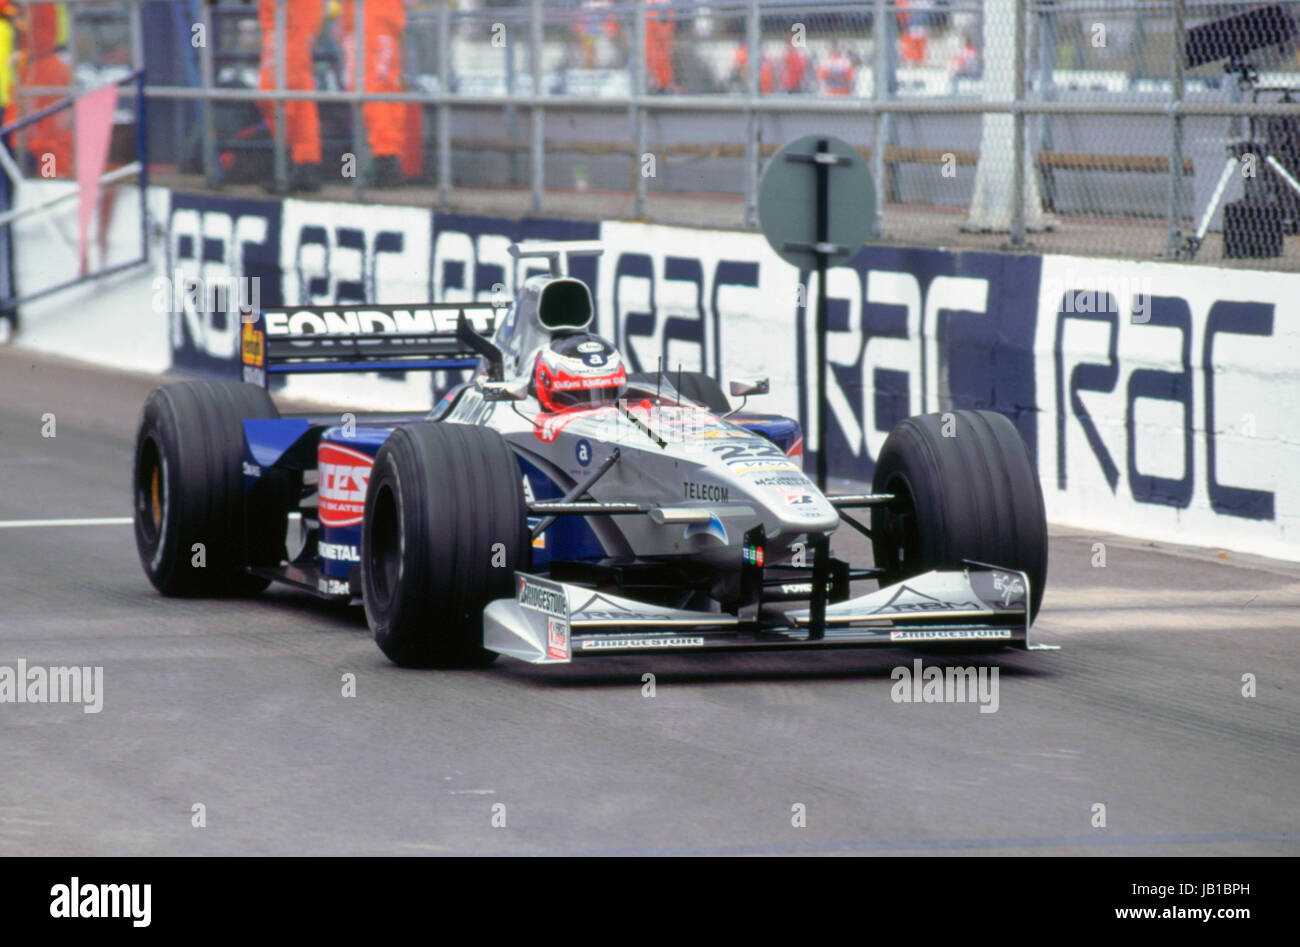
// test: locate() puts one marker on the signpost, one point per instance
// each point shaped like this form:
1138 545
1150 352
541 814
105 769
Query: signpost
817 205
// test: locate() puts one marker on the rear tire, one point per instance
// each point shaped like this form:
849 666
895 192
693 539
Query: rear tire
974 495
188 489
445 529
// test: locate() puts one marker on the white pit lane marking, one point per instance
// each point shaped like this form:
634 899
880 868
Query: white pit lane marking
96 521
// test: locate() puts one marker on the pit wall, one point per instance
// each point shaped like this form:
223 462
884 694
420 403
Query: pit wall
1160 400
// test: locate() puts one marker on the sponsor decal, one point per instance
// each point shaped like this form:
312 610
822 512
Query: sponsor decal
786 481
798 497
592 346
907 600
1011 587
339 552
343 474
755 466
582 451
252 346
318 320
692 490
713 528
538 595
251 470
968 634
612 612
625 644
328 586
557 639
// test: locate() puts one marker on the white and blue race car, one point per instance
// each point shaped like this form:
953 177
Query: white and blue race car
557 506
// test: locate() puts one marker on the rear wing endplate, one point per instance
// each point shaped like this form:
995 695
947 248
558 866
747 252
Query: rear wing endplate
290 340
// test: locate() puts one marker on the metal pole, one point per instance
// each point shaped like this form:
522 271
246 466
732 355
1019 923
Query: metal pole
444 109
1047 93
821 548
142 156
210 174
359 140
883 88
137 37
638 113
538 116
1175 236
512 113
281 156
1018 132
753 124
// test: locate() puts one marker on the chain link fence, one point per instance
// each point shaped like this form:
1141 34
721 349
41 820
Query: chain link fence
1136 128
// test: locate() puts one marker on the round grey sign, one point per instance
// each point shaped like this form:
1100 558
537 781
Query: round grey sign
787 200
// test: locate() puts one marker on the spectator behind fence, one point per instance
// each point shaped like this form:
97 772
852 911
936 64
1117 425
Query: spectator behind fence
836 72
794 70
47 143
740 71
383 22
659 49
303 19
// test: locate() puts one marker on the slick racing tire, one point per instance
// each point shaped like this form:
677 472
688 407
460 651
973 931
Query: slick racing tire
694 385
445 529
188 491
972 495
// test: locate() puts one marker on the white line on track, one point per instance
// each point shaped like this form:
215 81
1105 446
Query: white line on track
96 521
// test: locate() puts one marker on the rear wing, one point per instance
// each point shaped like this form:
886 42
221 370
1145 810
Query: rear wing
290 340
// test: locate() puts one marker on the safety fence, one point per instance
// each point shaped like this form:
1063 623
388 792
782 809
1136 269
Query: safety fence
1145 128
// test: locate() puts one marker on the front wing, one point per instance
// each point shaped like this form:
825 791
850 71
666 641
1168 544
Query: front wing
551 622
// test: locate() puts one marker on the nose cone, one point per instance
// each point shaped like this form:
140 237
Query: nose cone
792 505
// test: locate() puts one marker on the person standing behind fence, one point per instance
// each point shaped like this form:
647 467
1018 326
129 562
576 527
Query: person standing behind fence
836 72
659 49
383 22
49 141
794 69
302 24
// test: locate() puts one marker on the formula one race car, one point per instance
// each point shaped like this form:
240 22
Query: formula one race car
559 506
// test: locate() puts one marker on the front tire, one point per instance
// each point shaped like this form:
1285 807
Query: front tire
191 509
445 529
971 495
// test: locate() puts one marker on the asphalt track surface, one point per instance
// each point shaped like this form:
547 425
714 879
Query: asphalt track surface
238 706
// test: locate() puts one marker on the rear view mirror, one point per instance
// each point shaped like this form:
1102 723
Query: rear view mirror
504 391
743 389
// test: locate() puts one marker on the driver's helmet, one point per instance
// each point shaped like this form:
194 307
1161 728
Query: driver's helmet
577 369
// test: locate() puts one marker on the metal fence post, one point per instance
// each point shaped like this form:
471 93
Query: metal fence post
882 90
444 107
638 111
1174 240
538 117
210 176
1018 131
359 149
1046 93
281 157
753 121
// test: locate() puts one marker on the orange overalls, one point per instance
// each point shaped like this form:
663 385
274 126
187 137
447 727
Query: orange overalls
383 21
44 67
658 49
302 23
